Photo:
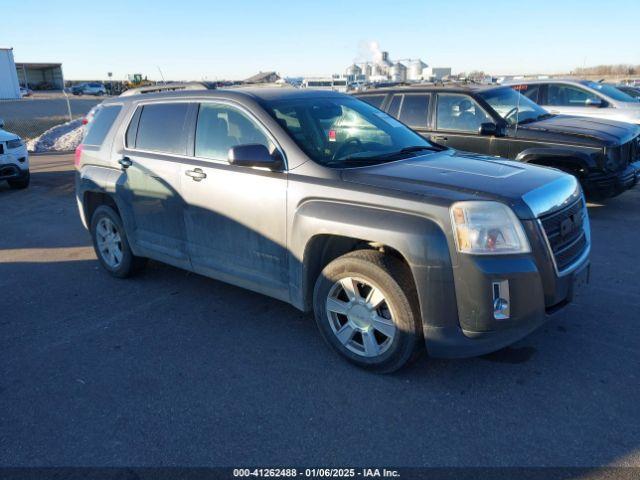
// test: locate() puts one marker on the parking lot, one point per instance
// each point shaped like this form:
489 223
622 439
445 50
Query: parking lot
171 368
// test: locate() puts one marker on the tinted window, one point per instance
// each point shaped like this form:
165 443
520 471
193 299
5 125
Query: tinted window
161 128
221 127
569 96
132 130
414 110
394 106
374 100
101 124
460 113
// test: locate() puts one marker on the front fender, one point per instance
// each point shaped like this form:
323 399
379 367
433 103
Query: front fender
420 240
561 157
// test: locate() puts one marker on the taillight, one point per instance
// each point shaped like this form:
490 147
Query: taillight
78 155
85 120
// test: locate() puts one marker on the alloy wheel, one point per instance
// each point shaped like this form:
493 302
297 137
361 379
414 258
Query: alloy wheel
109 242
360 317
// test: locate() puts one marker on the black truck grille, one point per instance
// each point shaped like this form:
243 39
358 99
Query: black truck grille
566 234
630 151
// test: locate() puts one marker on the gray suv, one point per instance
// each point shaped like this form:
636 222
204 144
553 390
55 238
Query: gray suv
327 203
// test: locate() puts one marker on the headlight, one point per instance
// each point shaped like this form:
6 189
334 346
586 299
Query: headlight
487 228
15 143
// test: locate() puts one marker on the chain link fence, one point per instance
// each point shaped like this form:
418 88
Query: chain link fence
30 117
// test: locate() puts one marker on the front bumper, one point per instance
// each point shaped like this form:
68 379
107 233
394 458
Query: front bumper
479 332
531 283
601 185
14 163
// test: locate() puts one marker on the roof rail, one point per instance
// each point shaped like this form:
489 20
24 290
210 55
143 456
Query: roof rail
168 87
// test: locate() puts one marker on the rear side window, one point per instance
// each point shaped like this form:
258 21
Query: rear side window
394 106
414 110
101 124
161 128
373 100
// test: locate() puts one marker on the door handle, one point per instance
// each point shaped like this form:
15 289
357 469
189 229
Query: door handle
125 162
196 174
440 138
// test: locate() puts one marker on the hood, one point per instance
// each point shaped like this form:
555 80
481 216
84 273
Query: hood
633 106
455 176
588 129
5 136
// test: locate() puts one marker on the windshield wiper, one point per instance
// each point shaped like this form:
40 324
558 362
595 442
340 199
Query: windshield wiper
417 148
384 156
536 119
528 120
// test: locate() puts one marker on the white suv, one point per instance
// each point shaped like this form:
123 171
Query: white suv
582 98
14 159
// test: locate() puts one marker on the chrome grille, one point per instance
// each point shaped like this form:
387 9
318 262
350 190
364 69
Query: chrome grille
567 234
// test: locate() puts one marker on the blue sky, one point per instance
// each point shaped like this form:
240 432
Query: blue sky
193 39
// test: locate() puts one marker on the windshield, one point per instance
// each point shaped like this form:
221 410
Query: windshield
512 106
345 132
611 92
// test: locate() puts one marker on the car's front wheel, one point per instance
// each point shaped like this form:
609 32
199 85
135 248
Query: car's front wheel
111 245
366 308
20 183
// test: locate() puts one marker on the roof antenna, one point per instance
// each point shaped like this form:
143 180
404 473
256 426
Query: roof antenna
161 75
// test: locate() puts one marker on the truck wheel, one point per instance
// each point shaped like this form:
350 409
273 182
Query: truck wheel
111 245
20 183
366 308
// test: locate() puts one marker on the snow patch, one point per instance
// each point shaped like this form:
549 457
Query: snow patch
61 138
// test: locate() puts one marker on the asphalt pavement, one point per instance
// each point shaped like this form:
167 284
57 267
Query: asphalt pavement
174 369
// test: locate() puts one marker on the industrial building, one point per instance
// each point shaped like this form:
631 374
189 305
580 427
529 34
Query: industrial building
263 77
36 76
40 76
383 69
9 86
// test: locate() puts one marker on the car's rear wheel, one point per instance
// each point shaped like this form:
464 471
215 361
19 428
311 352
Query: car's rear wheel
20 183
366 308
111 245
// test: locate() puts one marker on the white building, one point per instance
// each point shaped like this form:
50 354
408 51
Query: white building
9 86
383 69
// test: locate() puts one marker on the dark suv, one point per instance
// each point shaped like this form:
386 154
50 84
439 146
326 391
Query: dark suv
324 202
603 154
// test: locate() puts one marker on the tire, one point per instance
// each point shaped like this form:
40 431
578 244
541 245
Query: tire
20 183
109 238
341 315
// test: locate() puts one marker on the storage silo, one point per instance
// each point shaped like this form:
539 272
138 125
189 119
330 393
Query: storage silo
365 69
398 72
414 72
353 71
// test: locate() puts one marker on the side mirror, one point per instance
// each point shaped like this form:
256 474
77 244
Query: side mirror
594 102
254 155
488 128
1 123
